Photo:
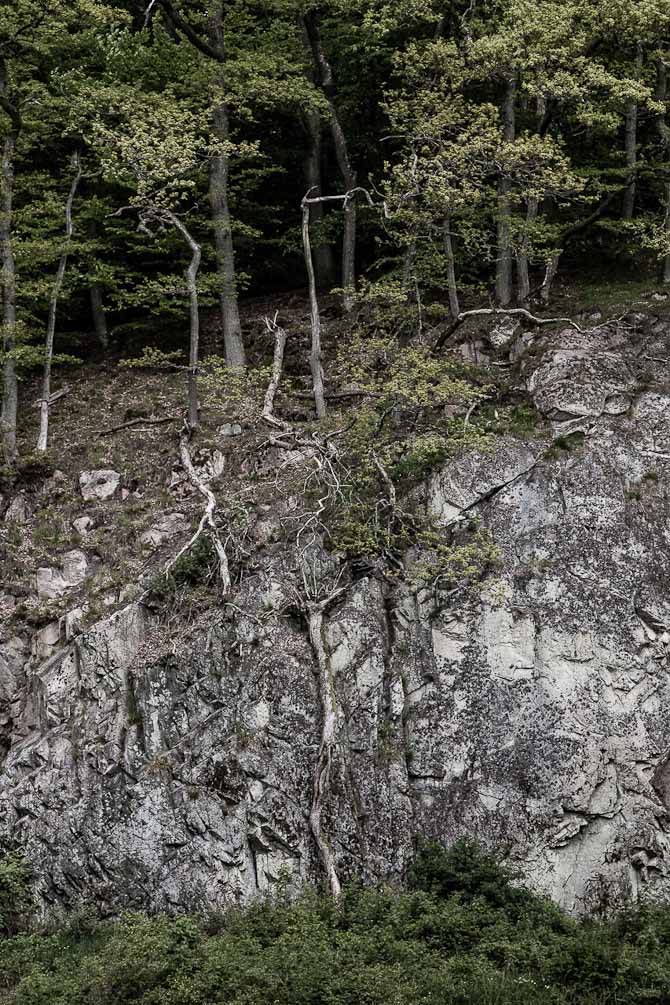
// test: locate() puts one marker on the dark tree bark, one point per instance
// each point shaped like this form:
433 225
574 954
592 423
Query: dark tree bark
324 76
43 435
504 259
663 130
213 46
628 205
194 315
10 395
324 263
452 285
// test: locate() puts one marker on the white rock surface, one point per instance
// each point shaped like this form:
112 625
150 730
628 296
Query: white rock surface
100 484
166 529
54 582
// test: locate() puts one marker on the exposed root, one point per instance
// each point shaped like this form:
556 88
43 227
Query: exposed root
207 521
321 781
277 365
483 312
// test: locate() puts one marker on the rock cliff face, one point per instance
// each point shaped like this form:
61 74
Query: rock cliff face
174 766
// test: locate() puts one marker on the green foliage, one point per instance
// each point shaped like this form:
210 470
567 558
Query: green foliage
465 933
15 892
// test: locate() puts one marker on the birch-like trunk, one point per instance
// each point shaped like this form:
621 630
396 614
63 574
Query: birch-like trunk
504 258
43 435
315 354
98 315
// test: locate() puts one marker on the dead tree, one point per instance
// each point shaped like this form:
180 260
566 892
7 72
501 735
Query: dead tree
43 435
277 365
315 354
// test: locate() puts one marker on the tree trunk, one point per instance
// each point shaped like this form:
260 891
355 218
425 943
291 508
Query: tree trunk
223 241
549 276
192 281
324 75
454 304
628 205
665 271
10 384
532 211
324 264
504 260
98 315
43 435
660 95
315 355
219 170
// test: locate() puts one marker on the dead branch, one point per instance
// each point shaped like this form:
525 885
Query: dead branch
53 397
139 422
482 312
206 521
280 337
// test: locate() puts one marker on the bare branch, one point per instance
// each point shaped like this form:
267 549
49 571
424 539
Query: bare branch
483 312
206 521
280 337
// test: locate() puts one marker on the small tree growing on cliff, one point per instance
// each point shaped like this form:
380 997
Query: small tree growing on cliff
155 148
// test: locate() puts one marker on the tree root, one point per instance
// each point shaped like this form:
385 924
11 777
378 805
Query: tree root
321 780
207 521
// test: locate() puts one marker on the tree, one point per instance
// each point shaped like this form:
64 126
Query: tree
156 148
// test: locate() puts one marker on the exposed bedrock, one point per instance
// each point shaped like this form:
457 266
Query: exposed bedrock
175 769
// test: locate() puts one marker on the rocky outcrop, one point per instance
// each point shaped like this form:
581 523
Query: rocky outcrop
172 765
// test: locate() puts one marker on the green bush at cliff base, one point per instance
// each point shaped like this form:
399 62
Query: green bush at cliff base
462 932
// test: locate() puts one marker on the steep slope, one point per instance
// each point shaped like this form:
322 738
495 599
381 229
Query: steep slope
181 760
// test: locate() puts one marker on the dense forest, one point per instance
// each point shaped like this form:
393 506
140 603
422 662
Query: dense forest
167 160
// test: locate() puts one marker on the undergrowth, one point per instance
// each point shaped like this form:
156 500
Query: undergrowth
463 931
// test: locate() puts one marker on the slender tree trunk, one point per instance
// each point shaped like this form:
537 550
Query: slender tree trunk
665 271
452 287
10 385
324 74
324 264
532 211
219 171
194 312
504 261
663 130
98 314
43 435
549 276
223 241
315 355
628 205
